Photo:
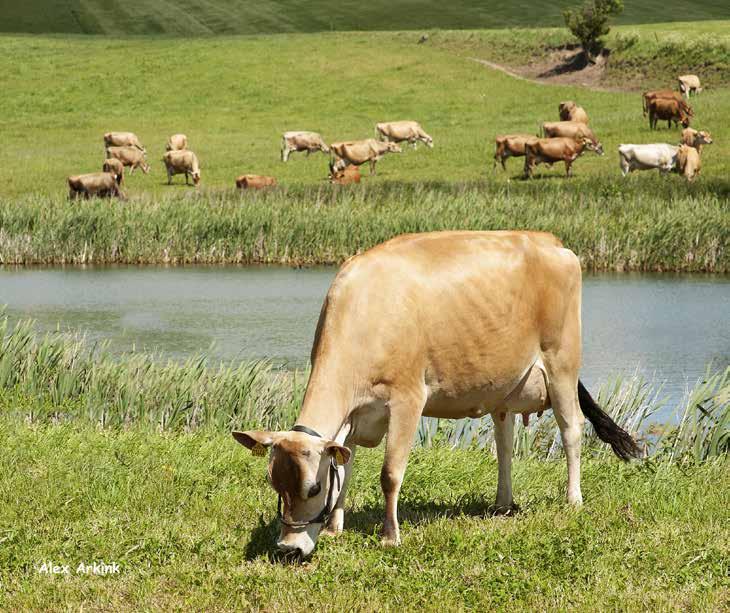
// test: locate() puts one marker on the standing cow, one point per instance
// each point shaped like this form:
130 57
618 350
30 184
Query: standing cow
648 96
177 142
123 139
689 84
114 166
661 156
301 141
360 151
447 325
570 111
129 156
399 131
510 146
182 162
670 110
99 184
552 150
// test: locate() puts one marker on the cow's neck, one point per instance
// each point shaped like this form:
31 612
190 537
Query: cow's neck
327 404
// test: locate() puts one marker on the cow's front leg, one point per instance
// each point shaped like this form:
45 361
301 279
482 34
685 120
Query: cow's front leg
405 412
131 169
372 166
186 178
336 522
169 177
503 436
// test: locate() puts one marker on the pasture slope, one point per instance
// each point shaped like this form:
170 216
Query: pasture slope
194 18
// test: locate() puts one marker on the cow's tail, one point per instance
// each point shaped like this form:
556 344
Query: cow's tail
607 430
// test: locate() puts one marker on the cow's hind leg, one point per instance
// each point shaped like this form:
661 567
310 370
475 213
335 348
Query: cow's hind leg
336 522
405 411
503 438
563 392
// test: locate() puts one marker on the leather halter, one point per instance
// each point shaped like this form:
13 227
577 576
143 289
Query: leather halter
333 475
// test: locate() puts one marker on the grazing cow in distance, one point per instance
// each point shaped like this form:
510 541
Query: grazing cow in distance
447 325
360 151
399 131
688 162
669 110
570 111
689 84
100 184
301 141
177 142
123 139
570 129
695 138
129 156
255 182
350 174
552 150
182 162
510 146
114 166
648 96
661 156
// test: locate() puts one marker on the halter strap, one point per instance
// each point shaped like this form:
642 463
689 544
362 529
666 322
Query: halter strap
306 431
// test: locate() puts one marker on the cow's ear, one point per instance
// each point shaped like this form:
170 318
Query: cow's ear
255 440
338 452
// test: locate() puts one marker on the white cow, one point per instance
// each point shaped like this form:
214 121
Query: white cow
647 157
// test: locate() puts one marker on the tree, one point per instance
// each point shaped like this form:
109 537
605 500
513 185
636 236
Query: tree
589 23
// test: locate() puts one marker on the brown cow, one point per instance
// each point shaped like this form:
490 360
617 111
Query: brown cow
255 182
551 150
695 138
360 151
648 96
688 162
114 166
570 129
177 142
123 139
129 156
670 110
399 131
350 174
299 140
570 111
101 184
182 162
510 145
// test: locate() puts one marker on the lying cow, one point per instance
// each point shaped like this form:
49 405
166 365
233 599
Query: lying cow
552 150
350 174
399 131
177 142
695 138
129 156
182 162
400 336
647 97
255 182
510 146
669 110
689 84
114 166
99 184
122 139
688 162
301 141
360 151
570 111
661 156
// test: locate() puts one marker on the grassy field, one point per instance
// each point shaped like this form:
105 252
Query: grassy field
188 18
190 520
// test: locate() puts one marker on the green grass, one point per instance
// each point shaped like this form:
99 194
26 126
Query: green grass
190 520
188 17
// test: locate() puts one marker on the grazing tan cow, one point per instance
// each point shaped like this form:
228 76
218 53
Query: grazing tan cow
688 162
551 150
689 84
569 129
648 96
129 156
122 139
301 141
695 138
360 151
350 174
100 184
177 142
510 146
447 325
669 110
399 131
182 162
114 166
570 111
255 182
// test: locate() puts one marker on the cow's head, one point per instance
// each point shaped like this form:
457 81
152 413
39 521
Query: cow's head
307 472
324 148
429 141
703 138
392 147
196 177
593 145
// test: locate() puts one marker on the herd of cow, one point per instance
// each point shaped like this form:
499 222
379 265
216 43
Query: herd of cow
559 141
565 140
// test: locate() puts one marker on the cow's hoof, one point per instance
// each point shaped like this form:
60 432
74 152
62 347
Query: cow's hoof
390 541
330 531
505 509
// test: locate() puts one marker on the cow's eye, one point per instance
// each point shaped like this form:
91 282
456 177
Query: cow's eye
314 490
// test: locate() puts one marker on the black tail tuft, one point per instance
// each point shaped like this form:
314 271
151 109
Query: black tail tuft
607 430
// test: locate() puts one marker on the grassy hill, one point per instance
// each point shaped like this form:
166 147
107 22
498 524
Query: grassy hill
191 17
